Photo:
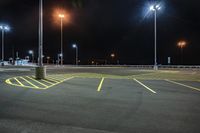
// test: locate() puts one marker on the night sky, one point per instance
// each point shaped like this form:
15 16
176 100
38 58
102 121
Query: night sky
102 27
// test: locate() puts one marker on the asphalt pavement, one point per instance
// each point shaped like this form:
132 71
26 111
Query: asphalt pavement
73 104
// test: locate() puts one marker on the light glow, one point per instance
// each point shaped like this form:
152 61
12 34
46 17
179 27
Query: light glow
74 46
182 44
30 51
61 15
4 27
151 8
155 7
112 55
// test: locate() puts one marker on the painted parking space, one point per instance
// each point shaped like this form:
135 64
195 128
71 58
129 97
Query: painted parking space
80 86
145 86
102 84
32 83
123 87
185 84
171 86
195 84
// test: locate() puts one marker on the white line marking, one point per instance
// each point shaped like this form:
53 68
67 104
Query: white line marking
183 85
145 86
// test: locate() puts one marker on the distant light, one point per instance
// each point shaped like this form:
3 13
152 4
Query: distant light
112 55
182 44
74 46
4 27
30 51
7 28
60 55
151 8
61 15
155 7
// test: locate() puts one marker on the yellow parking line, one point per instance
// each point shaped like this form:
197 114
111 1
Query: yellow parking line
145 86
59 82
100 85
183 85
8 81
20 83
37 81
30 83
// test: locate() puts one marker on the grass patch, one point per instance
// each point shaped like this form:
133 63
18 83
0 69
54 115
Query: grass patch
150 75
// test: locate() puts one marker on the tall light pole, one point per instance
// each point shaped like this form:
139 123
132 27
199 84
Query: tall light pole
181 45
3 28
76 47
112 56
40 72
61 16
155 8
31 52
40 61
48 58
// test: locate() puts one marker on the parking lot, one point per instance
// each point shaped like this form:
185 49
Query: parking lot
98 103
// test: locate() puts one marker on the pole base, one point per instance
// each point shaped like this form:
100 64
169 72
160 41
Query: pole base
40 72
2 63
155 67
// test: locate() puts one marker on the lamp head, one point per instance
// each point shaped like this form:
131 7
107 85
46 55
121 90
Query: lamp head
30 51
74 46
155 7
61 15
4 27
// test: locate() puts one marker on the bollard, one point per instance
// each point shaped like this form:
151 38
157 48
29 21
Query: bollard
40 72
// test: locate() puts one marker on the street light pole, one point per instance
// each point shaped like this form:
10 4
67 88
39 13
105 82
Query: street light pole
155 8
40 63
31 52
155 45
76 47
33 57
182 44
61 41
40 71
3 29
77 55
61 37
2 57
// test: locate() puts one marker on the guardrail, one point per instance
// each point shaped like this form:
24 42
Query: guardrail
140 66
128 66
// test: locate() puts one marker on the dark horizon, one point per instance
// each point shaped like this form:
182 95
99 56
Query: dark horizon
101 28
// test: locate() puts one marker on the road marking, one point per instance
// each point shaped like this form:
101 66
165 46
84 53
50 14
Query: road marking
60 82
37 81
100 85
33 83
8 81
20 83
145 86
183 85
30 83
